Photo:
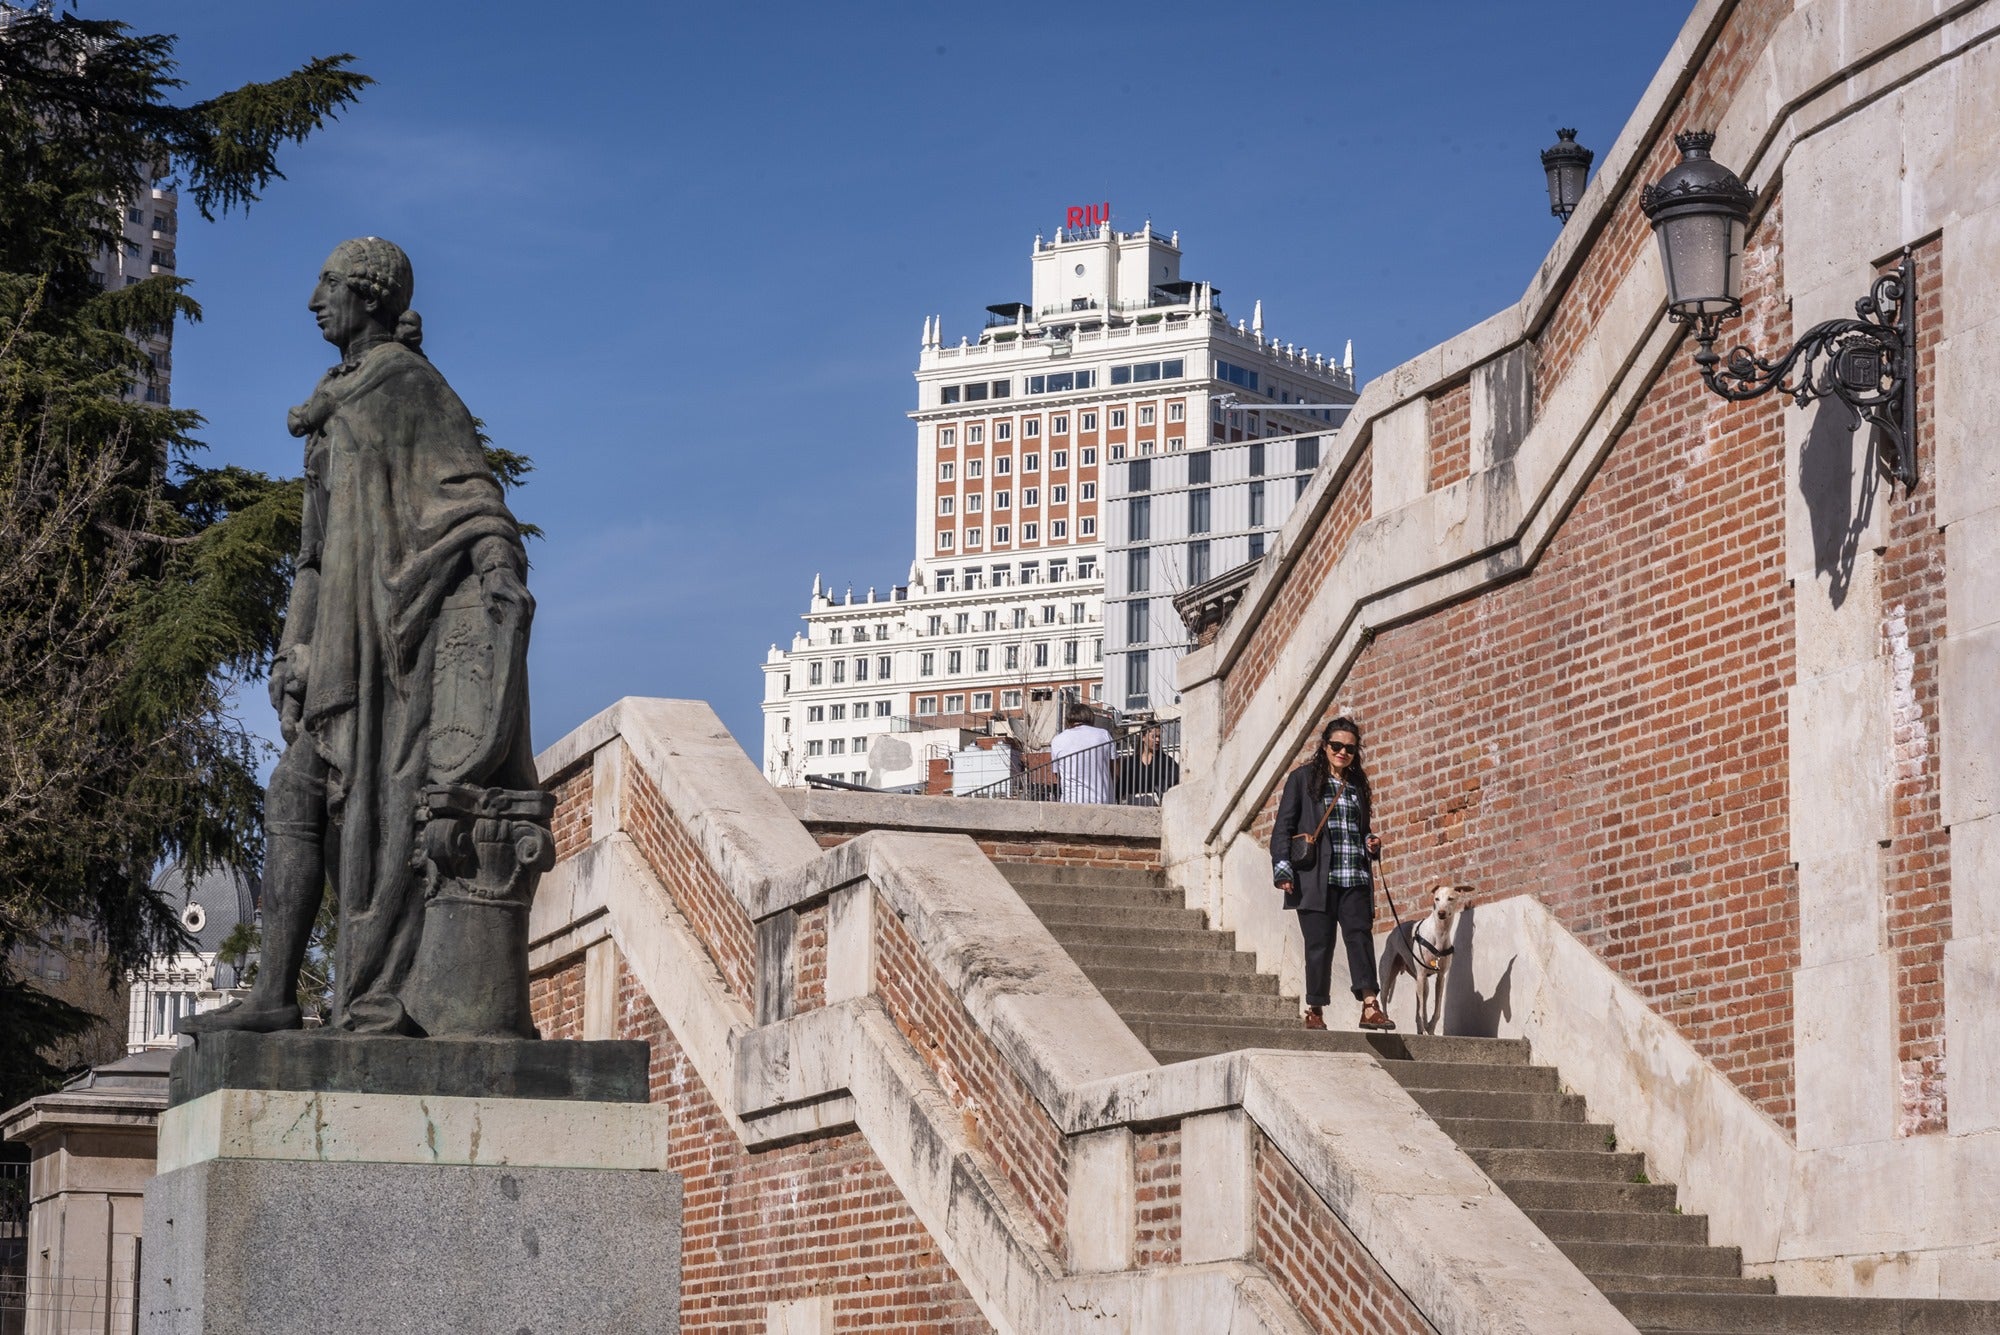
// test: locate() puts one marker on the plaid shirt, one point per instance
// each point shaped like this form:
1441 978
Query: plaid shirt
1342 848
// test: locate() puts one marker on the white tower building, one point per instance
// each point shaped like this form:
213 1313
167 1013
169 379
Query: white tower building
1021 433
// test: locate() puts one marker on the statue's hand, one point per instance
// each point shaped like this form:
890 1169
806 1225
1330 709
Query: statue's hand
507 598
288 687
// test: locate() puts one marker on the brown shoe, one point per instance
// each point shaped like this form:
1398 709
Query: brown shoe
1373 1017
1315 1020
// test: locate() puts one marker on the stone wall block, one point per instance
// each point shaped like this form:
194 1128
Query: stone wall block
1402 457
1975 130
1843 204
1103 1201
1218 1187
1838 617
776 967
600 990
1975 878
1840 752
1969 725
850 943
607 788
1833 486
1845 1039
1962 456
1971 253
1503 405
1932 179
1972 570
1840 907
1972 1032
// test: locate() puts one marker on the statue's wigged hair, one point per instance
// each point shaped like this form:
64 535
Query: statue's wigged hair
380 271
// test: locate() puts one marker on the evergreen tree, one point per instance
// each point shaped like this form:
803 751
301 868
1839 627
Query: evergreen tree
138 585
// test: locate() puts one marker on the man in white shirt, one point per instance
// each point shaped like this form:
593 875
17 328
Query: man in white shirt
1081 755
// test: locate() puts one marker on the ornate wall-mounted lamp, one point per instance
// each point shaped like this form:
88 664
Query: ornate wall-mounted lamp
1700 211
1568 166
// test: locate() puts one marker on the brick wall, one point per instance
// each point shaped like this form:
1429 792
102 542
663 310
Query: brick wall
1319 1265
572 819
1917 863
1156 1158
809 959
1451 435
1323 548
1609 732
820 1217
717 919
555 999
998 1113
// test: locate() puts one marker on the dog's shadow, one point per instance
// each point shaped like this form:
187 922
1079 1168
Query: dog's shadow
1467 1012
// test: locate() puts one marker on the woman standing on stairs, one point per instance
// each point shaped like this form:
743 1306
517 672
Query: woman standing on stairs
1319 857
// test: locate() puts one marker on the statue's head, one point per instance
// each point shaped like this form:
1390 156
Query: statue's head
366 283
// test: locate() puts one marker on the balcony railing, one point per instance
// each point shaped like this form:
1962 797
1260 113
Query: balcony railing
1122 771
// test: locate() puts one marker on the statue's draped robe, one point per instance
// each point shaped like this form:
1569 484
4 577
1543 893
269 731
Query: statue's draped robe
398 493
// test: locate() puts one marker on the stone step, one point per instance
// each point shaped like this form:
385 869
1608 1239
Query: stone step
1511 1105
1789 1314
1091 958
1114 979
1534 1194
1163 1004
1177 1034
1651 1258
1475 1074
1039 896
1076 936
1117 916
1560 1165
1041 873
1742 1284
1623 1226
1485 1133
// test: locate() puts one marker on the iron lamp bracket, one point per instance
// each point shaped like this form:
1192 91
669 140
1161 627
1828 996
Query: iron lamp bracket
1865 362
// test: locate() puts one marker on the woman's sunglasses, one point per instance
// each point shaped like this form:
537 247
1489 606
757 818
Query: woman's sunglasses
1349 747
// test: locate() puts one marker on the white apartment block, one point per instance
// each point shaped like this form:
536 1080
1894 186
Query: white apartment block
151 218
1023 436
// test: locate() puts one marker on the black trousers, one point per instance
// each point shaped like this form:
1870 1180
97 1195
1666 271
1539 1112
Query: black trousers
1354 913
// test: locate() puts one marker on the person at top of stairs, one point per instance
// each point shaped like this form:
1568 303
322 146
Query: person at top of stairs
1319 857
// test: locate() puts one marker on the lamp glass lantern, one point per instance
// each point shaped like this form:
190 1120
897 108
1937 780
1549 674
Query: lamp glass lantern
1567 165
1700 212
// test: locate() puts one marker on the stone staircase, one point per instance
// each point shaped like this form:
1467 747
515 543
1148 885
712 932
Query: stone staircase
1187 992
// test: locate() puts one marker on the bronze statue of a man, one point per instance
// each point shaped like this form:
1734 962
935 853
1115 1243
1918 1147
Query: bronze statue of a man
401 688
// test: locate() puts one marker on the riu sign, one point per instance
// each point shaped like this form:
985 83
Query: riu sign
1086 215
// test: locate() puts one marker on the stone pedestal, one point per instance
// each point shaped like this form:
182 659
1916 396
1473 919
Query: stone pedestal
283 1212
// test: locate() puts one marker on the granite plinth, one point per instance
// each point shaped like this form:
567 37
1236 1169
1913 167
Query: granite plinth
259 1247
601 1071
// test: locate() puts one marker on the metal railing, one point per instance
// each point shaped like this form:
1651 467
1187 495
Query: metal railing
1122 771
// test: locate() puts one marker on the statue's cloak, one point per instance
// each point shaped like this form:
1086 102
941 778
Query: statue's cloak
398 494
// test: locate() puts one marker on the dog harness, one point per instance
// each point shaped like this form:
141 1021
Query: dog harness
1437 959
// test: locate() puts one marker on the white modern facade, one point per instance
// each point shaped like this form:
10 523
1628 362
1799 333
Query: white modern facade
1024 435
1173 521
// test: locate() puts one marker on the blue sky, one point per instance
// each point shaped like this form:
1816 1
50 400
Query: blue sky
681 254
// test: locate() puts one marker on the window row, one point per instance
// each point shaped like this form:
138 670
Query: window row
1141 372
951 580
836 713
1030 496
975 391
837 746
1010 657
